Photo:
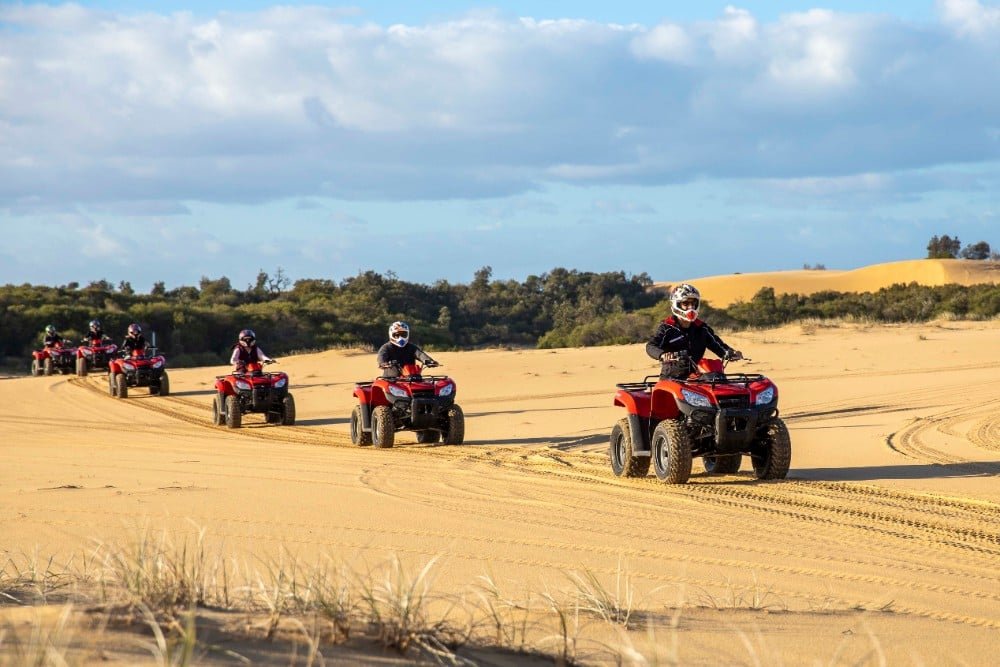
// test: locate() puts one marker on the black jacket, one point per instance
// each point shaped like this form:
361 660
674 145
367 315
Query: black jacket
131 344
670 336
53 339
408 354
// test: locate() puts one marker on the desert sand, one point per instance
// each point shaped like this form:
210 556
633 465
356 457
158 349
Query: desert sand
722 291
881 546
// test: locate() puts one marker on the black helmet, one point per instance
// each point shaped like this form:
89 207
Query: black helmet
247 337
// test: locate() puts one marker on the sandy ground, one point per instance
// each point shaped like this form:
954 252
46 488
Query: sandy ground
882 542
721 291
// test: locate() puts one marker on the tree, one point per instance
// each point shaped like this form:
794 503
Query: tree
159 289
979 250
944 247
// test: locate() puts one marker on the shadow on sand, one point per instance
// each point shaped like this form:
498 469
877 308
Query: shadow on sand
906 471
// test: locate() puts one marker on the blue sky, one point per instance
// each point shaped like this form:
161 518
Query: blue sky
147 141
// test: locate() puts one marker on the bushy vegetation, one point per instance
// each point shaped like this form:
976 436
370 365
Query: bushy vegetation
562 308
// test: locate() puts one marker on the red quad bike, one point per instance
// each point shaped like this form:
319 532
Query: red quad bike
55 359
410 402
711 414
91 357
138 370
253 391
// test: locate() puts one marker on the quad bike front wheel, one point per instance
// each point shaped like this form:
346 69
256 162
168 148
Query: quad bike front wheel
359 436
47 366
772 454
671 452
234 418
383 427
218 412
455 435
624 462
163 389
36 368
81 366
121 386
288 410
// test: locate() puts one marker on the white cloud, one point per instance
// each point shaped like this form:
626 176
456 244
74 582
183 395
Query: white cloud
294 102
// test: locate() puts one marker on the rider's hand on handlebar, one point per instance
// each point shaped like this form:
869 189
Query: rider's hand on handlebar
734 355
430 363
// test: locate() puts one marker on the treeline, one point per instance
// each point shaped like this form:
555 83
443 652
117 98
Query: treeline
562 308
198 325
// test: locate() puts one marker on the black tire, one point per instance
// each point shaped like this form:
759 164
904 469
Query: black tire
288 410
36 367
358 435
383 427
772 454
164 385
218 412
81 366
121 386
455 435
47 366
723 465
624 463
111 383
671 452
429 436
234 418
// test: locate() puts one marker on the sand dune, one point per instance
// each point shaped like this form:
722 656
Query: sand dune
724 290
883 541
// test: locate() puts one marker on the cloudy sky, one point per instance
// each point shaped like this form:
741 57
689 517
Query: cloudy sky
147 141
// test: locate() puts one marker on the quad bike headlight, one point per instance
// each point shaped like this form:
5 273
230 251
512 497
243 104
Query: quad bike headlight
695 399
245 386
764 397
446 390
129 367
158 364
397 392
281 383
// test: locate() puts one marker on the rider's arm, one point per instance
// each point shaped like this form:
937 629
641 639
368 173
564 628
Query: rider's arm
666 339
422 356
382 357
715 344
235 356
261 356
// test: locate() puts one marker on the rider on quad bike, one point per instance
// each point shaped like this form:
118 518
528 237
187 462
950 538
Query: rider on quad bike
248 389
247 352
54 356
95 350
403 399
52 337
134 341
680 340
398 352
696 409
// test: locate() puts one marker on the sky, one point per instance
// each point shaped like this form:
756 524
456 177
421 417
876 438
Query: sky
149 141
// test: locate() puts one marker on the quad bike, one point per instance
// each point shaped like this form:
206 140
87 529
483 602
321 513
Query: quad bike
138 369
93 356
410 402
53 359
252 391
711 414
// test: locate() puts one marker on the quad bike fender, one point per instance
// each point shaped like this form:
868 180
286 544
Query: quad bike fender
224 388
637 431
663 402
636 402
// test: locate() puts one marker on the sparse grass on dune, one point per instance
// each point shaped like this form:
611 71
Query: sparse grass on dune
180 602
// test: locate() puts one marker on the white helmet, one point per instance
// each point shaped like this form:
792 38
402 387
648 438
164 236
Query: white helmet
399 333
685 301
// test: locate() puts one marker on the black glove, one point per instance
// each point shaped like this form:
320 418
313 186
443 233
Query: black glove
733 355
430 363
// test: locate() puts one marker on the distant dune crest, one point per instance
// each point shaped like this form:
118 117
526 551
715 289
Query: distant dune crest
722 291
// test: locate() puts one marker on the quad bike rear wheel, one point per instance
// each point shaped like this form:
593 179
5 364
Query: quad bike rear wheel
429 436
359 436
772 454
234 418
723 465
121 386
288 410
455 435
383 427
671 452
218 413
624 462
